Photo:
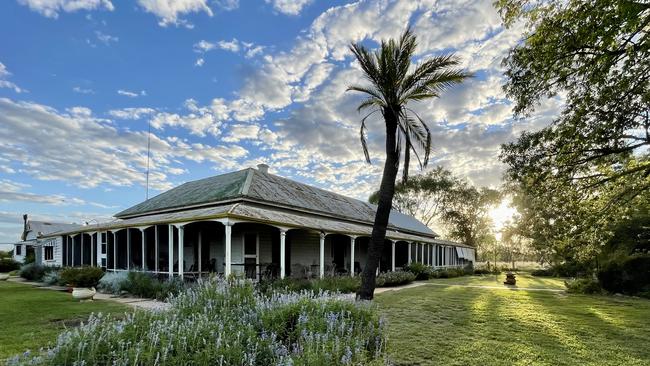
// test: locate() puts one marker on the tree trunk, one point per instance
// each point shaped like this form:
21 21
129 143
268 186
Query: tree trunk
386 192
407 160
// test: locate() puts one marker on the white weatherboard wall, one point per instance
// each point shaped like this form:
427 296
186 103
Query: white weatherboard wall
57 243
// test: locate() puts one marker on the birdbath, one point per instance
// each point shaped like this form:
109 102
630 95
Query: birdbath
510 279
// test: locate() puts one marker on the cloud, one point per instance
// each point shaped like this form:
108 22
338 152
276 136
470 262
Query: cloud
105 38
249 49
168 11
85 151
199 62
199 120
289 7
131 113
80 90
4 73
131 94
52 8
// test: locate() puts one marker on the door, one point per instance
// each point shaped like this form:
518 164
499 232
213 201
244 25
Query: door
251 255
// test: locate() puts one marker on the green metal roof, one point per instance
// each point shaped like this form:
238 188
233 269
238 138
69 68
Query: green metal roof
273 190
212 189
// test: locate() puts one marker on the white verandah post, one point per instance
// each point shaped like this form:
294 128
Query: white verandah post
156 240
128 249
352 240
283 269
322 255
144 261
181 259
170 246
228 227
114 250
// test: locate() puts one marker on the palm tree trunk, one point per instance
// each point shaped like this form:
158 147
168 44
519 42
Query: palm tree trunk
407 160
386 192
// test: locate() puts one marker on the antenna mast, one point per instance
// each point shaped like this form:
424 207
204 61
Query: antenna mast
148 154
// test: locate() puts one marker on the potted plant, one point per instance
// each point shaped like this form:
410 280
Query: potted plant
82 280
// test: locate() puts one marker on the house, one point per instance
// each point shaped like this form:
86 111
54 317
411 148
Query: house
252 223
32 242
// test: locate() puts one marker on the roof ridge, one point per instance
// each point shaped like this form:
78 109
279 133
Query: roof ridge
247 183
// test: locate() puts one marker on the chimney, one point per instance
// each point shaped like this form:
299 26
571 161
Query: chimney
263 168
24 235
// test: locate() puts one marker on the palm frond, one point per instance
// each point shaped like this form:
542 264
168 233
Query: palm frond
362 133
423 133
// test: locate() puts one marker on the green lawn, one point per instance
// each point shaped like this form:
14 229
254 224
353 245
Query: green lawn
452 325
32 318
524 280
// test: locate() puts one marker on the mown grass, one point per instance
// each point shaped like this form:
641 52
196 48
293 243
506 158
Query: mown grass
452 325
32 318
524 280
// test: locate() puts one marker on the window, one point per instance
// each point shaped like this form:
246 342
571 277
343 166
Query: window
19 250
104 248
48 253
103 237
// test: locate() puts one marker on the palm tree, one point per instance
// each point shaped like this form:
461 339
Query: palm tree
392 86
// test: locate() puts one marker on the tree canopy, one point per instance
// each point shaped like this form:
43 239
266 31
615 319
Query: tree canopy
590 167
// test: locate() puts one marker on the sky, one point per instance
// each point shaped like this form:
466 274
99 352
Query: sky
224 85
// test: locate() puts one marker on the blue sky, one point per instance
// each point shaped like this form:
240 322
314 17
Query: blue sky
225 85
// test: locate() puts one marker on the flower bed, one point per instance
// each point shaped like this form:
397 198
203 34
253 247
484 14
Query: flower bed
228 323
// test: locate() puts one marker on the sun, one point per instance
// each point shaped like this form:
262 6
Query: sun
501 214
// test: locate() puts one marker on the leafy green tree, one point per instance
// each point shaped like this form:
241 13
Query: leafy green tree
597 55
423 196
466 215
393 84
576 177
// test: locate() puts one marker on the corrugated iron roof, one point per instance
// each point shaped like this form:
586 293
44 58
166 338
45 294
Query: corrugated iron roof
252 212
39 228
252 184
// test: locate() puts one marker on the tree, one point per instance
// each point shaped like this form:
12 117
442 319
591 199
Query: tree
423 196
597 54
392 87
576 177
466 215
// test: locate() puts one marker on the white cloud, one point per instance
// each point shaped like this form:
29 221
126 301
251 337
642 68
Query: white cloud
131 94
199 120
85 151
105 38
249 49
51 8
199 62
80 90
131 113
4 73
289 7
168 11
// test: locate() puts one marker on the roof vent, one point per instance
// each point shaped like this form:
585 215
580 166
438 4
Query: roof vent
263 168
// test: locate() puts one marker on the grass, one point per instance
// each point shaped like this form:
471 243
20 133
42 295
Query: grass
452 325
33 318
524 280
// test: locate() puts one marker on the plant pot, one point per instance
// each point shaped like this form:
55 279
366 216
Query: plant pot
4 276
83 293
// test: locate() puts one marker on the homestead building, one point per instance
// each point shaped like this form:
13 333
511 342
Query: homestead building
251 223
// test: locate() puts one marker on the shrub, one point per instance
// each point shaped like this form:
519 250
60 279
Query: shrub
583 286
8 265
543 272
33 271
111 282
397 278
342 284
140 284
628 275
216 322
81 276
421 271
53 278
